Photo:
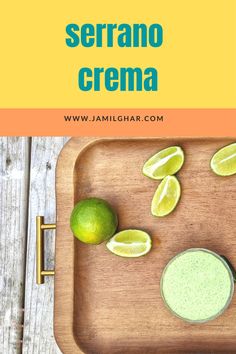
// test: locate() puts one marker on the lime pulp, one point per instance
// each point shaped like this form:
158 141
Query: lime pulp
223 163
166 196
130 243
166 162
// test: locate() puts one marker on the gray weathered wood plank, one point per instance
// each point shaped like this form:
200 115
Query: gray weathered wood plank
14 174
38 322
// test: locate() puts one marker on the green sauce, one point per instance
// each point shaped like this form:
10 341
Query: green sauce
197 285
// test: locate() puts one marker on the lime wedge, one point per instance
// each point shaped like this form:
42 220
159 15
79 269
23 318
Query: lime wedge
223 163
166 196
165 163
130 243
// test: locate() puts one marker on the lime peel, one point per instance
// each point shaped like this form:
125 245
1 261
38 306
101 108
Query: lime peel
93 221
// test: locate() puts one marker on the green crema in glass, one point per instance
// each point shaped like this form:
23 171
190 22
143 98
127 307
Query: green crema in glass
197 285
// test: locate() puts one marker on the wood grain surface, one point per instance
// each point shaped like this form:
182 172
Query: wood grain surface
106 304
38 323
26 165
14 176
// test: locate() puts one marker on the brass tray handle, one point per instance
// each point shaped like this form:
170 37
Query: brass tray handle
40 271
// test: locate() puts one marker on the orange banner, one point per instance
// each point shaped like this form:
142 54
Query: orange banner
118 122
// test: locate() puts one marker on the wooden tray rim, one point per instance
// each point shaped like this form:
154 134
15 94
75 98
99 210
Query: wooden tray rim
64 270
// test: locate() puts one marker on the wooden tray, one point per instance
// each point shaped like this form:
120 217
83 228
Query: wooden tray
105 304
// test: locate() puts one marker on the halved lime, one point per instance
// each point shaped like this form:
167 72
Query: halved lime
165 163
223 163
166 196
130 243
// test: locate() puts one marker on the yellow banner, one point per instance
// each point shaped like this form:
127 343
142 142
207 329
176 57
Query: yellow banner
196 62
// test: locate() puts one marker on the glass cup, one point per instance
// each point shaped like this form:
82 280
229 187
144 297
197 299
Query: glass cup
168 274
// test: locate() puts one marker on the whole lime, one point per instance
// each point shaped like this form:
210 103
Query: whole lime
93 221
